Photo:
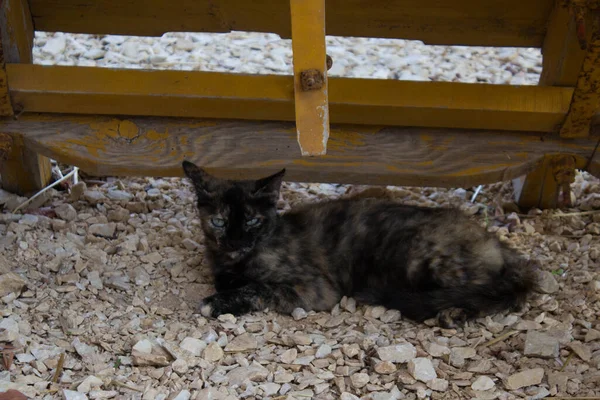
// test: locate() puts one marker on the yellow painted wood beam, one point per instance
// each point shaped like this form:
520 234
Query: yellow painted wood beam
90 90
456 22
378 155
310 75
586 97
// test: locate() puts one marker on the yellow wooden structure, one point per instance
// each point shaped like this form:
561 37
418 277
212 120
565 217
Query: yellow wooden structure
135 122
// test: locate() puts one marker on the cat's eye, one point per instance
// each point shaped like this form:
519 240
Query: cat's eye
217 222
253 222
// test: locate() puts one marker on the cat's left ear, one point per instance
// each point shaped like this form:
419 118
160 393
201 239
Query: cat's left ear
204 183
269 186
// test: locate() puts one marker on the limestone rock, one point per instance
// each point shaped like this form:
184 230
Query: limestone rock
359 380
288 356
547 282
540 344
252 373
422 369
243 342
299 314
103 230
193 345
89 383
11 283
66 212
385 367
73 395
582 350
591 335
9 330
398 353
438 384
213 352
323 351
483 383
525 378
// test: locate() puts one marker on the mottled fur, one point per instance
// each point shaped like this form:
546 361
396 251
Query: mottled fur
425 262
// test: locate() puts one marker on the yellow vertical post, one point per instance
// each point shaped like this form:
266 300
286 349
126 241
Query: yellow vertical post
310 75
22 170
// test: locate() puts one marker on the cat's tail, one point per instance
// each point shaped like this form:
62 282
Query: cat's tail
507 290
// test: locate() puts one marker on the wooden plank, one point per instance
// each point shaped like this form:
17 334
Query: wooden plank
562 53
16 29
586 98
542 187
22 171
16 40
538 188
461 22
234 149
90 90
310 75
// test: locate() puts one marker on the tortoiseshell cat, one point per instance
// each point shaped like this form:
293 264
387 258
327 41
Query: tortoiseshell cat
424 262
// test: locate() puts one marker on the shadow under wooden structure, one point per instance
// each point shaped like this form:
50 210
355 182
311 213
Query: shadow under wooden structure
135 122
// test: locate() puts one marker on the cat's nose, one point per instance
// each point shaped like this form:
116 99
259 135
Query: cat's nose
236 244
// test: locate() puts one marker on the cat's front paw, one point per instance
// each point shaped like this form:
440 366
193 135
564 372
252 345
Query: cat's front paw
219 304
452 318
205 308
209 307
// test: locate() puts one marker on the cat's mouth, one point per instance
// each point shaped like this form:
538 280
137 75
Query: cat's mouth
232 255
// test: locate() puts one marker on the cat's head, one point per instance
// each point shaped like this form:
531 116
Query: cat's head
235 214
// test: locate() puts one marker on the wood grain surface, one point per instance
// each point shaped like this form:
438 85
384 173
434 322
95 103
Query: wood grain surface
234 149
460 22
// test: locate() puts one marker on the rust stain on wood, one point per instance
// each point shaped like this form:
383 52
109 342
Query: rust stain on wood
6 144
586 98
562 54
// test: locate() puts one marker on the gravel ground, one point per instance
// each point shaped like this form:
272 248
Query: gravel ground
99 287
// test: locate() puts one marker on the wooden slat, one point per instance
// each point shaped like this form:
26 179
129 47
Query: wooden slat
310 75
90 90
562 54
466 22
237 149
16 39
25 171
16 28
22 171
538 188
586 97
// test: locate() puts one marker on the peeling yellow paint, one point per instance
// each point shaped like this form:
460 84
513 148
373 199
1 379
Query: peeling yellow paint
128 129
480 170
154 135
341 140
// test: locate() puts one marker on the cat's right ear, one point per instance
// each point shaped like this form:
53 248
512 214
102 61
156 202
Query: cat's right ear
204 183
